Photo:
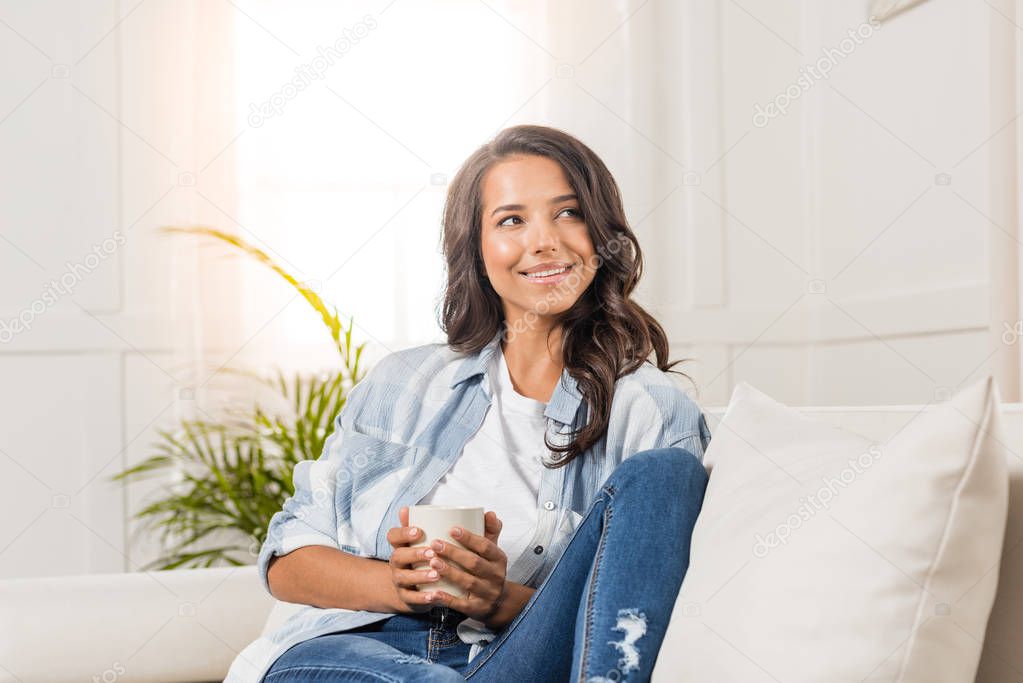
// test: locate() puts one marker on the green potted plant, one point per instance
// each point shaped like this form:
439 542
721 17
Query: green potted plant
234 473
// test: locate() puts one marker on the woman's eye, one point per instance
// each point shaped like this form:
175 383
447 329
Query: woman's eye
504 222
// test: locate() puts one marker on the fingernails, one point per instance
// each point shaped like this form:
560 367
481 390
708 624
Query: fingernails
432 574
436 564
456 532
429 553
438 545
413 532
430 597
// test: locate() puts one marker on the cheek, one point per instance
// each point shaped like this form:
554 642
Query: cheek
583 247
501 254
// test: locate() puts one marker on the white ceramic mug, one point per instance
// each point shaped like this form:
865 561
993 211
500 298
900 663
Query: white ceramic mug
436 522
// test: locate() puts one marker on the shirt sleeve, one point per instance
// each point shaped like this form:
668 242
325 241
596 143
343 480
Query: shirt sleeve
697 441
309 517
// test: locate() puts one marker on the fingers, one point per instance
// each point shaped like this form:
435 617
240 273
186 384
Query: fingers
404 535
418 600
446 599
403 557
480 545
467 560
492 526
407 579
410 579
465 580
466 568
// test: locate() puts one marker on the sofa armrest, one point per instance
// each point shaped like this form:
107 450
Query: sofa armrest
155 627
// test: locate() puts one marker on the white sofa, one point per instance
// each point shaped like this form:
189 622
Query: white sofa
188 625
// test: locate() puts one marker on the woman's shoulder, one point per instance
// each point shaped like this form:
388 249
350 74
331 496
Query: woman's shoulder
400 393
412 369
651 394
407 360
648 376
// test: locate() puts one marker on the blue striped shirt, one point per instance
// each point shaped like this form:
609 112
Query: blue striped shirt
402 428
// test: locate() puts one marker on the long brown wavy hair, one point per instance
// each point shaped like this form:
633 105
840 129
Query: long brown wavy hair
605 334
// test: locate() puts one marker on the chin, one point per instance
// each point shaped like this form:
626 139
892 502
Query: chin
562 304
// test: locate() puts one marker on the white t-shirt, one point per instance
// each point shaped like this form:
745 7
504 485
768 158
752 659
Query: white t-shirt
500 466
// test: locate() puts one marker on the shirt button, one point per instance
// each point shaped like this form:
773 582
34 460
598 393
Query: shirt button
538 549
549 505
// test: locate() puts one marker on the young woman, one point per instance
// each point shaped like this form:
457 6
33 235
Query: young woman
542 407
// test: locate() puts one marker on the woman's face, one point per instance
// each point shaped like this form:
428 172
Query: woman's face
531 218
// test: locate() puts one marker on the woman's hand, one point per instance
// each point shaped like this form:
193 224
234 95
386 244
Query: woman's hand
403 576
482 576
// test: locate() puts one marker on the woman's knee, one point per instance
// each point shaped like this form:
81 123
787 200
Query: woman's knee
668 471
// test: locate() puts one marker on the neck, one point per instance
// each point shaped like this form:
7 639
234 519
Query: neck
534 362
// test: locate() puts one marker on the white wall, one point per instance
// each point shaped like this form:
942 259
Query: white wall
99 141
850 274
65 380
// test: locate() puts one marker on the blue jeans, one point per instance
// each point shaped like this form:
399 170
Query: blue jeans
600 615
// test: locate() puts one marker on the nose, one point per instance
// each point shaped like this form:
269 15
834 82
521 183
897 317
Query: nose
543 236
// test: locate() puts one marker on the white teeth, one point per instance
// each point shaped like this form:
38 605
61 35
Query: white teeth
545 273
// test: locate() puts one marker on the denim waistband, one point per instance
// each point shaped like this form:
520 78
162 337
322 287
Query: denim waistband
442 616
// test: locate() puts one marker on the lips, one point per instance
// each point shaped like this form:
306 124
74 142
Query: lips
547 269
552 272
549 275
550 265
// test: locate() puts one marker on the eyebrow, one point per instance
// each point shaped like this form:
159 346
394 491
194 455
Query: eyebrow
519 207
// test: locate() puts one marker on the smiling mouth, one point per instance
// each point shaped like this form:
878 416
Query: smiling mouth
549 276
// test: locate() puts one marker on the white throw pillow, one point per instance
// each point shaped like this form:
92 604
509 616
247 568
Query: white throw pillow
822 556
